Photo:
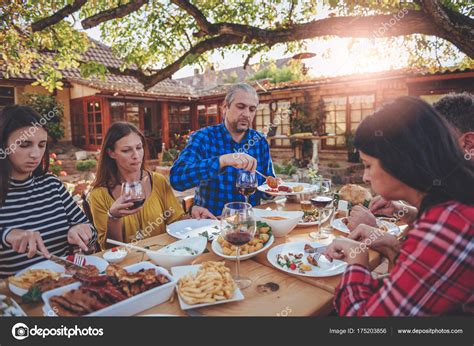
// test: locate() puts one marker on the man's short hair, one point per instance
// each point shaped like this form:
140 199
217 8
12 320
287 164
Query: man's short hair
458 110
229 97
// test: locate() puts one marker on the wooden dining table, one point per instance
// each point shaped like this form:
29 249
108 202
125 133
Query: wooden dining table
272 293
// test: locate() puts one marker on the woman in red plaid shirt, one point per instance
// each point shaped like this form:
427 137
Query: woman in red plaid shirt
409 153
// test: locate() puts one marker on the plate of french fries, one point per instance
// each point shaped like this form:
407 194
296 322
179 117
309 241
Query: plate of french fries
24 279
205 284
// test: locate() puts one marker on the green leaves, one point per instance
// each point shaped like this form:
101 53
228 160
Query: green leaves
160 32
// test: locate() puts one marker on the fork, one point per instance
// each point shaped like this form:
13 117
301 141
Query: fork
79 259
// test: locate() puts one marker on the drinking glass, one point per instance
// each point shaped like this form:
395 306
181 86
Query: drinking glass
238 227
247 184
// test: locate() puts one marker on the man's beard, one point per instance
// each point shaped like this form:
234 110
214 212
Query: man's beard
235 127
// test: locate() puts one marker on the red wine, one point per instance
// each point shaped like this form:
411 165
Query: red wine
136 203
247 190
321 201
238 238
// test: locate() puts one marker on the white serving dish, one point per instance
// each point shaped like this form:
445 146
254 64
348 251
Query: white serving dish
127 307
216 247
280 228
100 264
181 271
20 312
115 256
190 228
168 260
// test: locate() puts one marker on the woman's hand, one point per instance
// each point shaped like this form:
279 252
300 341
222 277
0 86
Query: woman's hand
360 215
348 250
26 241
80 235
380 206
121 207
387 244
198 212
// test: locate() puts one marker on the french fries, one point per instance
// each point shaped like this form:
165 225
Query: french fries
212 283
29 277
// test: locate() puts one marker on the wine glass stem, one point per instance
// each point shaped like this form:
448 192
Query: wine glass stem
237 264
246 199
320 227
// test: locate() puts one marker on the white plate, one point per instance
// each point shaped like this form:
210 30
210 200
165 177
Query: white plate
100 263
181 271
41 265
326 216
191 228
308 188
335 267
216 247
15 305
130 306
342 227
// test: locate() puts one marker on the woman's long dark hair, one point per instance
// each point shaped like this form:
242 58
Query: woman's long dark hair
13 118
107 171
416 146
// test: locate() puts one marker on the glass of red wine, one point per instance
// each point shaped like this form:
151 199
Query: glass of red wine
247 184
134 193
238 226
321 201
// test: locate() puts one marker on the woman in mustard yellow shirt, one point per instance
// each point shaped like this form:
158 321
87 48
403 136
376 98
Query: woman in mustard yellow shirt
122 160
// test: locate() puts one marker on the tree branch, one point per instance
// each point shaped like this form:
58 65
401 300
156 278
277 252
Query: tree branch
194 12
116 12
148 80
231 34
452 26
58 16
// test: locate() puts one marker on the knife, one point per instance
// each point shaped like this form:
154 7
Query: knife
65 263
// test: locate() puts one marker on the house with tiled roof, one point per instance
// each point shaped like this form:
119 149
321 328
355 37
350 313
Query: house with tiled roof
178 106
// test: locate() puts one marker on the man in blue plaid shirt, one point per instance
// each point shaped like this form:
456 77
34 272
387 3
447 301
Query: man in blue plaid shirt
214 155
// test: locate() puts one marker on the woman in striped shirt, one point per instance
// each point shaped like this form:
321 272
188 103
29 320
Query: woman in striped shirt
36 211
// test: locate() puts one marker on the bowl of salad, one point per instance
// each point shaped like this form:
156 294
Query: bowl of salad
179 253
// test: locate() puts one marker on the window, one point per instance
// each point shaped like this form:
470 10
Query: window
263 118
281 117
432 98
179 119
78 129
274 113
7 96
207 115
343 115
94 122
125 111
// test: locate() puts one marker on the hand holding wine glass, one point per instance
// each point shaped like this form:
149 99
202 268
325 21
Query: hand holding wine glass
134 193
129 202
238 227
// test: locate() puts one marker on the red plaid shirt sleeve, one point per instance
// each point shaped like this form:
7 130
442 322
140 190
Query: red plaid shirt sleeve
433 274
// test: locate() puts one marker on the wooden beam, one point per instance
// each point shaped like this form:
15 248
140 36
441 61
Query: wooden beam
194 117
165 125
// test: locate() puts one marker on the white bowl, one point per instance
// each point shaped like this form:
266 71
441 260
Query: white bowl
115 256
280 228
216 247
166 259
